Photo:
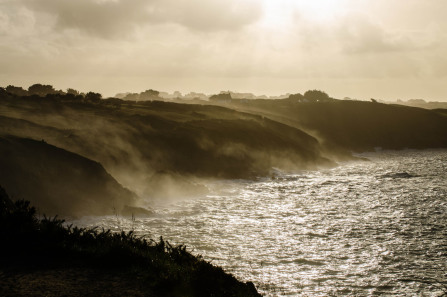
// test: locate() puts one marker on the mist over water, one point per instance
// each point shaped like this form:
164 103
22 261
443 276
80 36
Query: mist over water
364 228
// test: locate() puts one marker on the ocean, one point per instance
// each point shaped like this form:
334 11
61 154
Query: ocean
364 228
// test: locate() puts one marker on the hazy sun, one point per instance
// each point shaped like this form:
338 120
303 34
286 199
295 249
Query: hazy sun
277 11
320 9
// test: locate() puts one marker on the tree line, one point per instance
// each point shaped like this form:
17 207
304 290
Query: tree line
48 91
308 96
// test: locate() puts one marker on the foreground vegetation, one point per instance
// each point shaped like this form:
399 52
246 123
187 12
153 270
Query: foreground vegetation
155 268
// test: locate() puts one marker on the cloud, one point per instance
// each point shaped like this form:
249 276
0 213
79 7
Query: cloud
98 18
356 34
209 42
115 18
208 15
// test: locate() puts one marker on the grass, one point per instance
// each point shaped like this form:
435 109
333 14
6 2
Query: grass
167 270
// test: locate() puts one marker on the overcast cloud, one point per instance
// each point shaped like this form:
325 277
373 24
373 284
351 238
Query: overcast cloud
358 48
115 18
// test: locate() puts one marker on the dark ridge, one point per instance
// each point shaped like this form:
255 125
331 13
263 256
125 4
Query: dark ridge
357 125
441 111
58 181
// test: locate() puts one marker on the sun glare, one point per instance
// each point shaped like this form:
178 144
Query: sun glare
321 10
276 12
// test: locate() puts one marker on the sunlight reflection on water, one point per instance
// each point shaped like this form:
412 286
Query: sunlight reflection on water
363 228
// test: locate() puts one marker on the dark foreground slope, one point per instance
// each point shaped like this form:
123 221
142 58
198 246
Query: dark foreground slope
441 111
46 258
356 125
59 182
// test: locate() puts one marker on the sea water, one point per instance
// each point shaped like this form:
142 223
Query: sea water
364 228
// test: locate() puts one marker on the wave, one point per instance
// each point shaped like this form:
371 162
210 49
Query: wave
398 175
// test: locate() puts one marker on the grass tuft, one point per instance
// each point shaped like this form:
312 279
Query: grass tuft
164 268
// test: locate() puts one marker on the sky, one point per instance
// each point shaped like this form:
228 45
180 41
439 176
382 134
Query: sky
383 49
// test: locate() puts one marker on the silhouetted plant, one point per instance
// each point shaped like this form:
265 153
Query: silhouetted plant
316 95
93 97
41 90
169 269
3 93
221 97
18 91
149 95
297 97
72 92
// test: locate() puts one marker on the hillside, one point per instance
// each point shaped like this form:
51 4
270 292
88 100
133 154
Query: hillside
136 142
441 111
58 181
356 125
161 150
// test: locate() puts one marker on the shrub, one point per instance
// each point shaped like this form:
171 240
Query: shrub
165 268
